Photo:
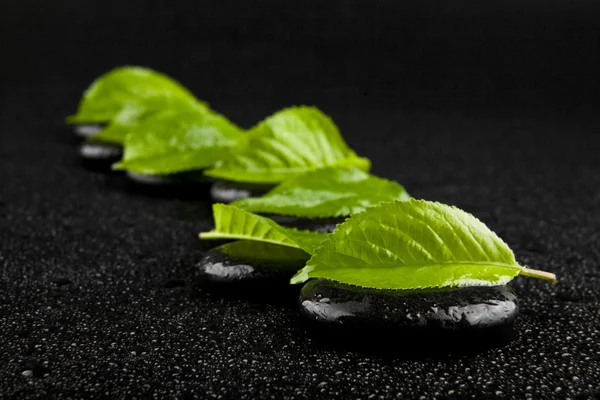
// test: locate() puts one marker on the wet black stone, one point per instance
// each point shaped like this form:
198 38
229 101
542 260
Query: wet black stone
180 178
87 130
185 185
99 155
227 191
246 261
244 266
444 313
325 225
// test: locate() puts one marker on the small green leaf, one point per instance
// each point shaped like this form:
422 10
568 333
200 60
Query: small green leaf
260 252
288 143
123 96
177 141
414 244
325 193
233 223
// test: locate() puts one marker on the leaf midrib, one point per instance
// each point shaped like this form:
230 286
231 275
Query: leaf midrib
455 263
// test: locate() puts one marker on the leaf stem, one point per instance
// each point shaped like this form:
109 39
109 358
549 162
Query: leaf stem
534 273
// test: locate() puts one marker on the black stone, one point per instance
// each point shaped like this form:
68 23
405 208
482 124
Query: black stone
325 225
180 178
448 314
247 261
184 185
99 155
246 266
87 130
227 191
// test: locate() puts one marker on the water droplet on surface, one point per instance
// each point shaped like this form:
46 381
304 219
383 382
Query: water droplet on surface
61 281
138 351
34 368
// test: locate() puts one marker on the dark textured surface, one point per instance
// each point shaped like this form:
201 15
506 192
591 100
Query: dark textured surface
490 108
88 270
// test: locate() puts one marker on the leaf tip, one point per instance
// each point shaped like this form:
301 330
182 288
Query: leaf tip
302 275
119 166
212 172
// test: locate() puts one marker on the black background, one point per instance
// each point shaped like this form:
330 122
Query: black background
532 54
487 105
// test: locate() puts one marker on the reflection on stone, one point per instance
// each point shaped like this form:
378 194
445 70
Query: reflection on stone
250 262
87 130
171 179
99 155
471 308
227 191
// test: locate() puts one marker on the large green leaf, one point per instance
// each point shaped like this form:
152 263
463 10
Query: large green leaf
290 142
233 223
414 244
123 96
178 141
325 193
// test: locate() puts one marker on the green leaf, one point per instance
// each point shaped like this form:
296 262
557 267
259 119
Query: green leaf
123 96
260 252
233 223
414 244
288 143
325 193
117 129
177 141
